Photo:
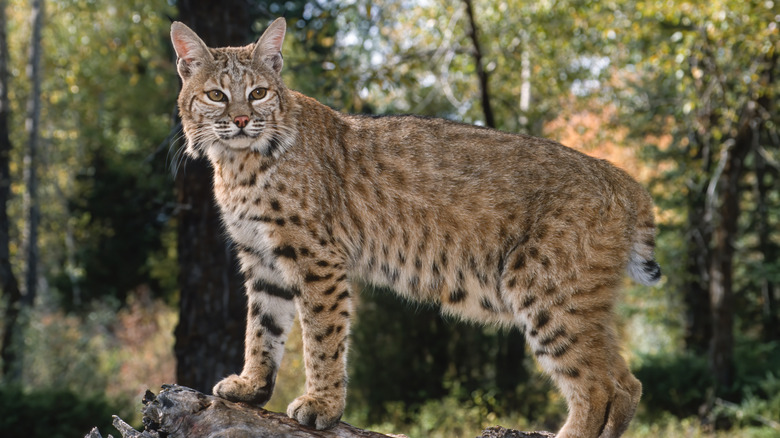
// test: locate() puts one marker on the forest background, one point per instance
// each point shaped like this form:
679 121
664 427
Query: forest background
116 277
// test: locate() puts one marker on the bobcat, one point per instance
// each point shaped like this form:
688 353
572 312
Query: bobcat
494 227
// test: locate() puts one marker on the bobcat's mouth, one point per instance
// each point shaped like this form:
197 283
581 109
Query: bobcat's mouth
239 140
236 138
239 134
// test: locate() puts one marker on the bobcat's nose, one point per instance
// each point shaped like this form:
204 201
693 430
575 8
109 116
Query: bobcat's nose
241 121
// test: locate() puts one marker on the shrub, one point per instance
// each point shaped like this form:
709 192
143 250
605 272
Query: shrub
53 413
677 384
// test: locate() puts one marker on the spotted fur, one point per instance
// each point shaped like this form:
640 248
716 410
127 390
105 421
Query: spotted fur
495 227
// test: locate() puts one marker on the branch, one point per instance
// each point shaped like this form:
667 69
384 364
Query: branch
179 412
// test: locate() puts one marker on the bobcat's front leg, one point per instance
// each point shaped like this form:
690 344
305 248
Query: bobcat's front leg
271 311
324 309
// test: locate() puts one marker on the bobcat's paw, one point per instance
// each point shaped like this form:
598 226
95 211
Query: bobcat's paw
256 391
320 413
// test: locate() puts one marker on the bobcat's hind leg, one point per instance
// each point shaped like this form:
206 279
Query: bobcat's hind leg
568 321
627 394
271 311
576 356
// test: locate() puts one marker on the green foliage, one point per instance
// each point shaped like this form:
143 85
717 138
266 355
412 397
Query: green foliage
691 72
434 417
669 426
53 413
395 341
416 57
759 407
473 411
407 353
108 98
680 385
122 202
757 365
107 351
676 384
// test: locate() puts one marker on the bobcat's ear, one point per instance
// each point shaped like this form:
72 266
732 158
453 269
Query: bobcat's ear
190 49
268 48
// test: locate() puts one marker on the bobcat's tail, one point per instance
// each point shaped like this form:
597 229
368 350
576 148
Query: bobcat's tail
642 266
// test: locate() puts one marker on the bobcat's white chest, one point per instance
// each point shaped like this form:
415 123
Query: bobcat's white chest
250 223
249 230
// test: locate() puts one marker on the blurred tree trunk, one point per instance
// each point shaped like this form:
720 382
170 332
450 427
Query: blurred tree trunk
767 248
210 334
510 370
698 318
8 283
721 352
482 75
525 77
32 125
724 212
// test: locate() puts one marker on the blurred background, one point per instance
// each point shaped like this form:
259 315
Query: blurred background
116 276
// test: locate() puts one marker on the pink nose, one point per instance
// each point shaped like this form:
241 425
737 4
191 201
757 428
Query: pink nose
241 121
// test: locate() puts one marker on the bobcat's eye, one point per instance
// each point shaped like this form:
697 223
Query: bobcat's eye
258 93
216 96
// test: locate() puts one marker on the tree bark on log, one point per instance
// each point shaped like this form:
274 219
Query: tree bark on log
179 412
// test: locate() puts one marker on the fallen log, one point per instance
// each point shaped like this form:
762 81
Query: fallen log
181 412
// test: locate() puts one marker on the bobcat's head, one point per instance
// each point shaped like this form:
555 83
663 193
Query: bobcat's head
233 98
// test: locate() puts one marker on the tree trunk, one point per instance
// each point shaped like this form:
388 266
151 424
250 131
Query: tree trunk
32 124
724 233
510 370
767 248
179 412
698 318
721 352
726 229
8 283
210 334
487 108
525 77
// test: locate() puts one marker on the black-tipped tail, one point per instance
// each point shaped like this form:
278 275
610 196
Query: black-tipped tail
646 272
